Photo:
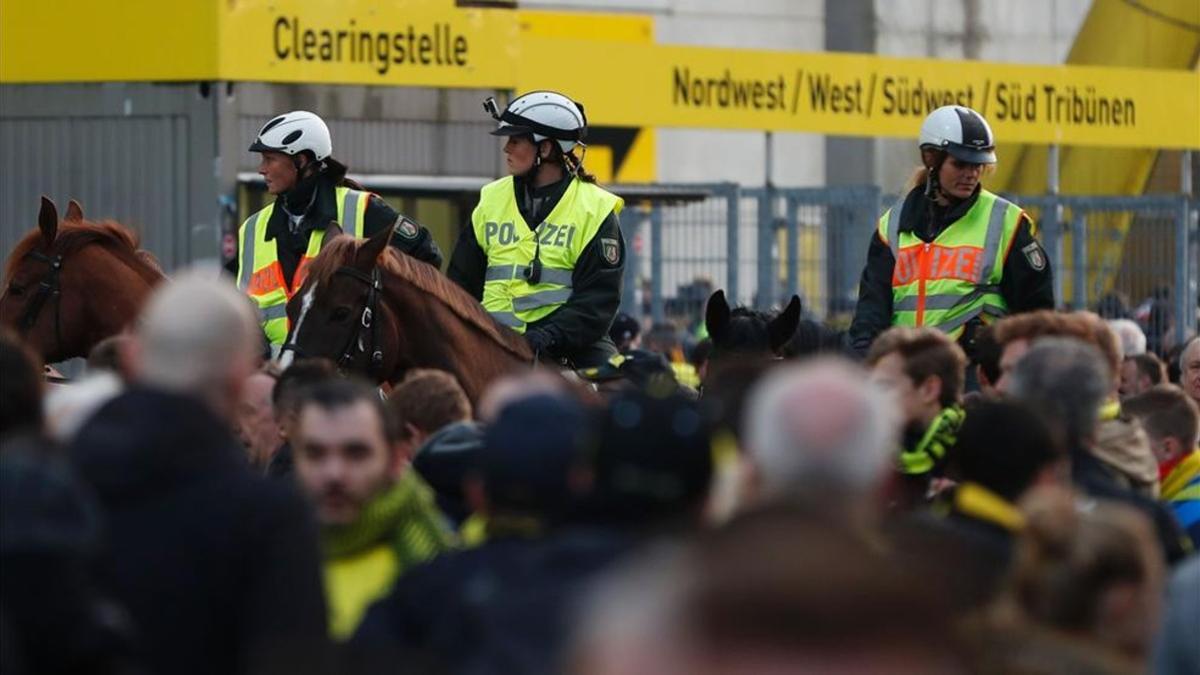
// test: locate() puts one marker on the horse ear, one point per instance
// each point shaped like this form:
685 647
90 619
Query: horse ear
74 212
782 327
716 316
332 231
48 221
372 249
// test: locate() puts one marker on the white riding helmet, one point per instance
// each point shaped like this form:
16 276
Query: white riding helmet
960 132
295 132
541 114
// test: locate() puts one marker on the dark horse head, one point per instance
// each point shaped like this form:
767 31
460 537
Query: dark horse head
71 283
380 313
742 331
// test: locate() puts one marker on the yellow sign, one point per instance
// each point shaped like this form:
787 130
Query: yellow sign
367 42
862 95
607 62
373 42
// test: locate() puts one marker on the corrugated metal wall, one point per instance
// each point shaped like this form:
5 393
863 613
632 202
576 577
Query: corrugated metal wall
383 130
150 155
137 153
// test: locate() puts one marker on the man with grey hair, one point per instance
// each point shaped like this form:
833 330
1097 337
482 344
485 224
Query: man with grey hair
1130 335
818 430
217 567
1067 381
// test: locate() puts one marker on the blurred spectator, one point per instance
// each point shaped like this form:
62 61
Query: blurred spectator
820 433
973 523
20 387
423 403
625 332
1066 381
1016 334
503 607
1177 651
506 390
1085 592
1121 447
1159 327
1172 422
1113 306
112 354
1189 369
652 462
55 618
378 518
257 427
635 370
1130 335
284 400
69 406
444 461
923 371
664 339
761 595
987 360
1140 373
217 567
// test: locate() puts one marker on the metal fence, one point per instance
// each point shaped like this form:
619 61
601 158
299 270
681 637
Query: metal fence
763 245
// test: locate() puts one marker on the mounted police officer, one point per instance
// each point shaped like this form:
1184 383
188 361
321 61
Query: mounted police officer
544 252
949 254
311 191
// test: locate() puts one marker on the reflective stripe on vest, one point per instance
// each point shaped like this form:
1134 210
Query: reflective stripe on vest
259 272
510 245
956 277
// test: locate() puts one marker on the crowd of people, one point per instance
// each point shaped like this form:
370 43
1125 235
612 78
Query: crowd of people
186 507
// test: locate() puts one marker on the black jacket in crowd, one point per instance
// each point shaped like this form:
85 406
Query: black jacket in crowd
504 607
1023 286
53 619
218 568
316 199
595 284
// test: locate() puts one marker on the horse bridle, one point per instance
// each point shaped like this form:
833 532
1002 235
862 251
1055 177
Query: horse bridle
355 344
49 287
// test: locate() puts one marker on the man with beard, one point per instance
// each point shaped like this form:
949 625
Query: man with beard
378 519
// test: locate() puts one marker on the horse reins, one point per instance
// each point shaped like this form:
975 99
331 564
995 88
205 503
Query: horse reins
366 322
49 287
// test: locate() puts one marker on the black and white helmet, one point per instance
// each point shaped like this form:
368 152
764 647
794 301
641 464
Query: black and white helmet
960 132
541 114
295 132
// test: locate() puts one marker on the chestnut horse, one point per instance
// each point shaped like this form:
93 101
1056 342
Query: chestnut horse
71 283
375 311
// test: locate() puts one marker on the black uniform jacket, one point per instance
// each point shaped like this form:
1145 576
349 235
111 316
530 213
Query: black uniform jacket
1027 284
321 209
595 284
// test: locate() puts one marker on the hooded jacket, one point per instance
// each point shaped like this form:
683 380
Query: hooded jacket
217 567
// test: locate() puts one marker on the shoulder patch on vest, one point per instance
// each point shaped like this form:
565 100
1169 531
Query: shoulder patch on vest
1035 255
611 250
406 228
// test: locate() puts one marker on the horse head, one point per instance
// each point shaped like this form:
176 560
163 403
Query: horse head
71 283
747 332
339 311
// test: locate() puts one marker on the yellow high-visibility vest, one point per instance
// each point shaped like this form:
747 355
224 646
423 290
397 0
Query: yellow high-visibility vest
511 245
261 277
956 277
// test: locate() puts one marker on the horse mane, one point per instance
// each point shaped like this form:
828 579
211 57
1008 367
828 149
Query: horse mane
342 249
75 235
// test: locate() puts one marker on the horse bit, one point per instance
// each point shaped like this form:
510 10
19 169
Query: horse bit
354 342
47 288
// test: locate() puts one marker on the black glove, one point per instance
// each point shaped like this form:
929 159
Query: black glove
540 341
